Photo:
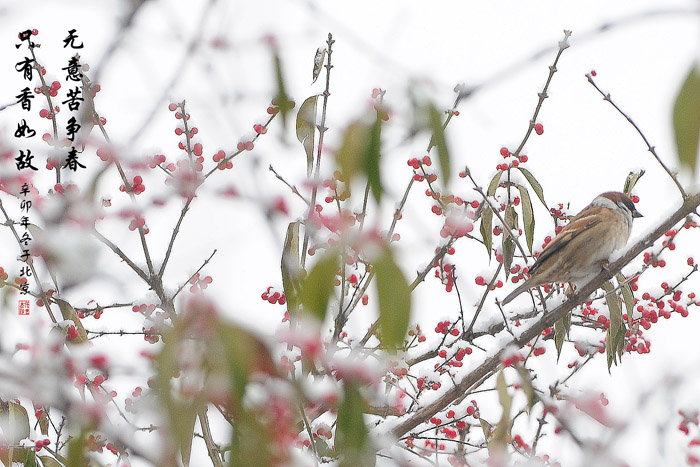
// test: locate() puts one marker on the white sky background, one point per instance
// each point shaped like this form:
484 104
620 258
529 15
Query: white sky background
586 148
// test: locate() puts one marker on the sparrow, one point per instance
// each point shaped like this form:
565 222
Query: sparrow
583 247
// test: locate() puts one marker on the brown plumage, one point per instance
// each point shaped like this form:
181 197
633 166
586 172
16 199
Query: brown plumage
581 248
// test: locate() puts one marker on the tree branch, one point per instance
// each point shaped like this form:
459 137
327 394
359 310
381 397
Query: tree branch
493 363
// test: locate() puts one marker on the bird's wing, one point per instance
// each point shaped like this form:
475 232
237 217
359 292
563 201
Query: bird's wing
581 223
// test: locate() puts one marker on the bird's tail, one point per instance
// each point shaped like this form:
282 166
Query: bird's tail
518 290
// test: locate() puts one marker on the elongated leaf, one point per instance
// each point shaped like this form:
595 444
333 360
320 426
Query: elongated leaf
68 313
291 268
487 428
686 120
528 216
281 98
526 385
627 296
352 438
49 461
485 229
372 157
319 58
394 301
186 431
534 184
616 331
439 140
318 285
499 440
632 180
44 423
511 219
493 185
306 129
14 423
352 151
361 153
561 330
76 449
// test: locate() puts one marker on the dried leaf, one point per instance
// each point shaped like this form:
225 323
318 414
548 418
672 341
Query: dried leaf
499 440
686 120
632 180
526 385
44 423
68 313
306 130
319 58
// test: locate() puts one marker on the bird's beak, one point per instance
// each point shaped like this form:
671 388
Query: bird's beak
636 213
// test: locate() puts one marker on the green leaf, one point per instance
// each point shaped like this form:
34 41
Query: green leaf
493 185
76 450
360 153
511 219
528 216
534 184
627 296
306 130
438 139
352 438
631 181
394 301
68 313
31 459
616 331
485 228
185 431
686 119
49 461
291 268
319 58
372 157
561 330
318 285
352 151
281 98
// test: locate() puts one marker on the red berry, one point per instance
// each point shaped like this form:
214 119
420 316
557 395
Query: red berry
539 129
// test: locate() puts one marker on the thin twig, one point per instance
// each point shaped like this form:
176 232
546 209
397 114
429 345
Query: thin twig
652 150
